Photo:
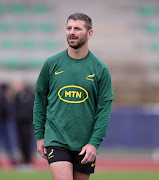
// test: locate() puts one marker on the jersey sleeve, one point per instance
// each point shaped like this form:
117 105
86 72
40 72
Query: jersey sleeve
40 102
39 115
105 90
103 110
42 84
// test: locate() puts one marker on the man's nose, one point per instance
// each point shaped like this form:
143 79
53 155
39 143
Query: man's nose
72 31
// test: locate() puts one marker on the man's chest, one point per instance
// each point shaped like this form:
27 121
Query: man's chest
74 82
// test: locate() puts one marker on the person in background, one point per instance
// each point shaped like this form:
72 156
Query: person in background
6 121
23 101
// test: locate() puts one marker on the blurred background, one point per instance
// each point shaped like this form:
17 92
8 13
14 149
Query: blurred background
126 38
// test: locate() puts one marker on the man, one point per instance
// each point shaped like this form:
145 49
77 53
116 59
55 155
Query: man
73 97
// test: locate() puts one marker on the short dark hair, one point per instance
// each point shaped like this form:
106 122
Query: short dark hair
83 17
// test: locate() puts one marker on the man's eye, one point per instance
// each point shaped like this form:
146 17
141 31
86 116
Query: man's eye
78 29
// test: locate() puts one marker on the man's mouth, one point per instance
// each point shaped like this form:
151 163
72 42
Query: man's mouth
73 38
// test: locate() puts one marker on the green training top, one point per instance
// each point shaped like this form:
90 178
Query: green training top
74 100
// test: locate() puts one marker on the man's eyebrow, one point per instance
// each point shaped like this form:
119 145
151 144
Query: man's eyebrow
78 27
68 26
75 27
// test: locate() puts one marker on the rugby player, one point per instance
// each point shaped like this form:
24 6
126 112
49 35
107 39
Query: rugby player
72 105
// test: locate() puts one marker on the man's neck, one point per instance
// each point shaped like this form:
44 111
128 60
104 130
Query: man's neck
77 53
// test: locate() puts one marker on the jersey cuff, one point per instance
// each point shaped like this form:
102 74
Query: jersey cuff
94 144
37 138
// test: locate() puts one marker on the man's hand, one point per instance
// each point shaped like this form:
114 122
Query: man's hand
41 149
90 155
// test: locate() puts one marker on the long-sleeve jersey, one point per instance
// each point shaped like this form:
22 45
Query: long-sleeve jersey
73 101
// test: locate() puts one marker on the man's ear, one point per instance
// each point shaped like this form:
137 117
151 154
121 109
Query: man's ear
89 33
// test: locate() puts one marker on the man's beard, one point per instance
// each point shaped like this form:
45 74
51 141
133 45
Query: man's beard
79 44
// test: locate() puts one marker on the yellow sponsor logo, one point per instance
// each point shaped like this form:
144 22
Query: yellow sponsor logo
50 155
89 77
56 73
73 94
93 164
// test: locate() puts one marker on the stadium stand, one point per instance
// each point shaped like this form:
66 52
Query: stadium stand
126 37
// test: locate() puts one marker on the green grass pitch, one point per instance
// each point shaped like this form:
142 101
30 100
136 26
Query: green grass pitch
112 175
